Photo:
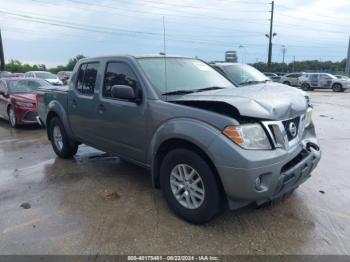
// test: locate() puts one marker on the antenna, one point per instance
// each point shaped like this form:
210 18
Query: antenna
164 54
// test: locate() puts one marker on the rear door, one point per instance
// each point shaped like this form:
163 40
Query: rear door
81 101
121 123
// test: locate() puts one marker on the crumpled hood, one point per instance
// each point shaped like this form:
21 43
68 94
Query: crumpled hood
271 101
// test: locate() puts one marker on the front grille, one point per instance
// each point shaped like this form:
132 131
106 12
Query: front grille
30 116
291 130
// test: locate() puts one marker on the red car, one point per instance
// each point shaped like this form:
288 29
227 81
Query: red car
18 100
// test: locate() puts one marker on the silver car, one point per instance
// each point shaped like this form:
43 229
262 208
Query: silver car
291 79
313 81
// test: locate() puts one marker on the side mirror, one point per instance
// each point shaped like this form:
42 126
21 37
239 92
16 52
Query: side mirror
123 92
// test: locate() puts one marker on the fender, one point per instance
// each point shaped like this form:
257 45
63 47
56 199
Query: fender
181 128
58 109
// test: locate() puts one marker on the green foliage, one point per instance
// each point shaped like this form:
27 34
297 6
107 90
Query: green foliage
16 66
303 66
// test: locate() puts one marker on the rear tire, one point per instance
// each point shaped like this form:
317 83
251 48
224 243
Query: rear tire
286 83
189 186
60 141
338 88
12 117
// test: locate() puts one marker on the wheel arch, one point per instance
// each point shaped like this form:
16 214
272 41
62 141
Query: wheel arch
175 143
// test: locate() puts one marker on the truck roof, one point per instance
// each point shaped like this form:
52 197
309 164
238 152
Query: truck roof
136 56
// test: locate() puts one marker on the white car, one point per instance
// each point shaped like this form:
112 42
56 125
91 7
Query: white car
49 77
291 79
311 81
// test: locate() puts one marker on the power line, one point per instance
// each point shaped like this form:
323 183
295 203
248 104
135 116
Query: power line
199 7
307 12
205 17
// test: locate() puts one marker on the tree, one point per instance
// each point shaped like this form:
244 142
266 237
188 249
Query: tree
73 61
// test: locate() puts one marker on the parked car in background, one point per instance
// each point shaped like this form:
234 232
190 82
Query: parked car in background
342 77
311 81
64 76
4 74
291 79
49 77
18 74
18 99
207 143
240 74
274 77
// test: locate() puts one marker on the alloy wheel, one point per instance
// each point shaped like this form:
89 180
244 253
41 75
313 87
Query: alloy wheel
187 186
57 137
12 116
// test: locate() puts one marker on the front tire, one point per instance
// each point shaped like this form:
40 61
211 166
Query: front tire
306 87
338 88
12 117
189 186
60 141
287 83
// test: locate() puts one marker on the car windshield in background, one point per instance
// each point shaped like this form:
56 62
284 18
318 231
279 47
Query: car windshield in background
184 75
244 74
45 75
22 86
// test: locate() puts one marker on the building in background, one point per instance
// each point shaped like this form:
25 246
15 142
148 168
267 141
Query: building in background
231 56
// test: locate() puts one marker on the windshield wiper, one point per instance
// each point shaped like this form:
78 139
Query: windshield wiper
178 92
253 82
208 88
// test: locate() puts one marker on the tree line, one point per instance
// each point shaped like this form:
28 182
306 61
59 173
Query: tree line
297 66
16 66
304 66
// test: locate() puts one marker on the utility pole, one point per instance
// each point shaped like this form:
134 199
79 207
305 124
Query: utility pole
2 58
347 70
284 50
293 63
270 36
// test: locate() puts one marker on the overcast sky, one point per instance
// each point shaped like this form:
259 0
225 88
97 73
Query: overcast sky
50 32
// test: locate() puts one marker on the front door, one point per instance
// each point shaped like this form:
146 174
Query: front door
81 102
121 123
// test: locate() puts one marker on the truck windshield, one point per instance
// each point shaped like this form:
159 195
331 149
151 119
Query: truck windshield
244 74
184 75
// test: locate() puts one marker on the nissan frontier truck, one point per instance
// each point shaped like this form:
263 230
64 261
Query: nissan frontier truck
207 143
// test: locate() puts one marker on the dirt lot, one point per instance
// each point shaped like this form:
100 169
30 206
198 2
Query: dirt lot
97 204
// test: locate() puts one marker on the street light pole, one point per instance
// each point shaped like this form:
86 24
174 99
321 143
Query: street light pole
270 36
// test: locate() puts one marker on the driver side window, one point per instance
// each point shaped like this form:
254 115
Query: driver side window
118 73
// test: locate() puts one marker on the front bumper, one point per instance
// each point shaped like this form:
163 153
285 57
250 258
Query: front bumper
26 116
278 171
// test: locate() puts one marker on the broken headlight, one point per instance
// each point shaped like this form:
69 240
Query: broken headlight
248 136
308 117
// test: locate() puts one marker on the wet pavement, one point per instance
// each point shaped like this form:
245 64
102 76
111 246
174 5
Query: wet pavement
95 203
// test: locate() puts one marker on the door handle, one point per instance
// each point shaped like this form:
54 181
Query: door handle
101 109
74 103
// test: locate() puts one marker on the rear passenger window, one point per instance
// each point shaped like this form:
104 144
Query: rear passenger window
87 78
118 73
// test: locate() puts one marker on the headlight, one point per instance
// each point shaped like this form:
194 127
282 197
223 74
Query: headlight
24 104
248 136
308 117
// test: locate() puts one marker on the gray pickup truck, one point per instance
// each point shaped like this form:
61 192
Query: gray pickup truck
207 143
